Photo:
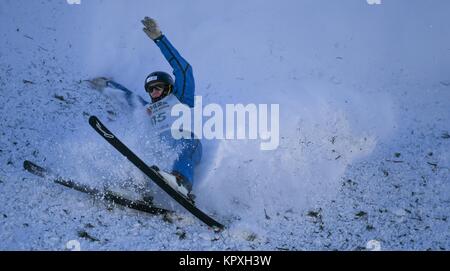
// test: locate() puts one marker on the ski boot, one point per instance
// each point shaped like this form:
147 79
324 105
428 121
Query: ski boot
177 182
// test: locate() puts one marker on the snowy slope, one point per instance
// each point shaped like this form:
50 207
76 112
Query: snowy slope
364 94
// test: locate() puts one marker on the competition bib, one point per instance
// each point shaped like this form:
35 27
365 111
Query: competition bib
159 113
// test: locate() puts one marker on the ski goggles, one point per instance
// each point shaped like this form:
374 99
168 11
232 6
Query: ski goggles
159 87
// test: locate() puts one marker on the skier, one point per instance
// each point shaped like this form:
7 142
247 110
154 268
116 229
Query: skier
166 93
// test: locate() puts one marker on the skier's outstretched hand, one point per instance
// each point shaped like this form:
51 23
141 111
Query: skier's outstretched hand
151 28
98 83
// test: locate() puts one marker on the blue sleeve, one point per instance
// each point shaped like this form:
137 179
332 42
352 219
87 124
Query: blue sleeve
184 88
128 93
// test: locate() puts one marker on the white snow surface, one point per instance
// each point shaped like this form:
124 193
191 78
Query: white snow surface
364 95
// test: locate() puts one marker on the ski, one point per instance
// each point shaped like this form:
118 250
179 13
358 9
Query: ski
152 174
105 194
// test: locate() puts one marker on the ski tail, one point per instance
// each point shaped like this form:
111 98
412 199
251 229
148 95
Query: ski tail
35 169
139 205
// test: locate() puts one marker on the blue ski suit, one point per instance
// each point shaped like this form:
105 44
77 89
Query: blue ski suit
184 91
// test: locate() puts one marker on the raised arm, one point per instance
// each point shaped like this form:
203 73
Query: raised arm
184 88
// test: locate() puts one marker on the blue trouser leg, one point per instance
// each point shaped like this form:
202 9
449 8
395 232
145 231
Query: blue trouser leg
190 154
189 157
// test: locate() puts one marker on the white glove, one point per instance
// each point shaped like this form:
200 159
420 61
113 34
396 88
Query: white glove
151 28
98 83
